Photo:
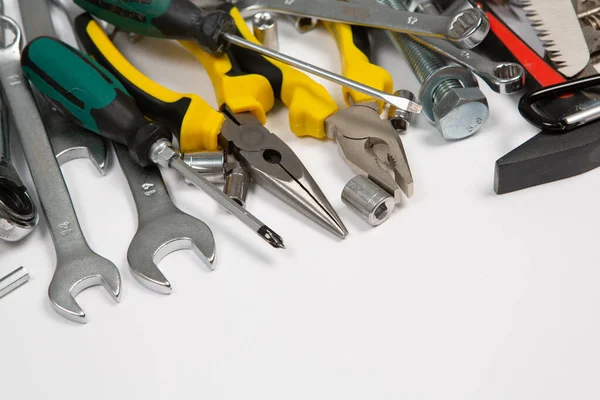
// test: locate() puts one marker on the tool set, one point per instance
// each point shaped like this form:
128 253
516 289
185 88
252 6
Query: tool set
67 102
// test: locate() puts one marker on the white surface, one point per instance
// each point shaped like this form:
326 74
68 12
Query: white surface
462 294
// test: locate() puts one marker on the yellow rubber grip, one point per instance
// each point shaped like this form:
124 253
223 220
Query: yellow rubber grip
241 92
356 66
309 103
199 124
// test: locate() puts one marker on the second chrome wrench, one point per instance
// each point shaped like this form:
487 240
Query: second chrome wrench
162 227
78 267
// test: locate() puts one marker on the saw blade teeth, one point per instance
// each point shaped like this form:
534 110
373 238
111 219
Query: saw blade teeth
556 25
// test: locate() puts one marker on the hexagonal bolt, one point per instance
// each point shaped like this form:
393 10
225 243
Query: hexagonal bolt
450 96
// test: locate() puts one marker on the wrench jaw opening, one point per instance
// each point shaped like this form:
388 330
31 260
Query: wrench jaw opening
163 236
70 142
73 277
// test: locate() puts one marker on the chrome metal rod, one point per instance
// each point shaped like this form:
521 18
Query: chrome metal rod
230 205
399 102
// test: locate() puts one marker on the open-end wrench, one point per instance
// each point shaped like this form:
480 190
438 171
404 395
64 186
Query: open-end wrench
162 227
78 267
69 141
466 29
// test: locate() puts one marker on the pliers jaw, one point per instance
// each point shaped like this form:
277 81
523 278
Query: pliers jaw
372 148
273 165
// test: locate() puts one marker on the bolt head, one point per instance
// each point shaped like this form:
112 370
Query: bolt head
461 113
162 153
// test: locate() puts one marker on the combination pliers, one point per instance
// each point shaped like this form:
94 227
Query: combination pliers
244 100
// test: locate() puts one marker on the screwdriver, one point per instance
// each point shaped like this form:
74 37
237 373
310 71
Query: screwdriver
214 31
91 96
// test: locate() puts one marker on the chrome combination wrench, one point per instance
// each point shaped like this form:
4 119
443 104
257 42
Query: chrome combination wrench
77 267
466 29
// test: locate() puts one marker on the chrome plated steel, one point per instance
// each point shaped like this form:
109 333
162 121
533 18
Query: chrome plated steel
162 227
466 28
12 281
78 267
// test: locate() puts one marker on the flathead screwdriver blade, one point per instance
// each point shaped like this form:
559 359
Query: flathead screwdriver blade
399 102
266 233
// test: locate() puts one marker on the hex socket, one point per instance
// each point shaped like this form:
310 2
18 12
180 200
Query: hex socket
370 201
211 164
237 184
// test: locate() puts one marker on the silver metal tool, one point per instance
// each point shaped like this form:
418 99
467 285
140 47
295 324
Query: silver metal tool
274 166
450 95
466 29
371 148
15 279
210 164
501 77
559 30
162 227
400 119
237 183
18 213
264 27
69 141
78 267
165 155
221 168
370 201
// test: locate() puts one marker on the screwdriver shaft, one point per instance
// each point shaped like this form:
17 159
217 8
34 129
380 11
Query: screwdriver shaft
238 211
399 102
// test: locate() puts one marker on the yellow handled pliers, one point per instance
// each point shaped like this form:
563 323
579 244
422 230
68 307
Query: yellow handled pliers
244 100
359 131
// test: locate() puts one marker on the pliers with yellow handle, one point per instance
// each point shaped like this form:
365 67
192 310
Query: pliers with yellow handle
368 144
244 100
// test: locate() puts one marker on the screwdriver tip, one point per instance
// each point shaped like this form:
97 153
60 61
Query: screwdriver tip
271 237
403 103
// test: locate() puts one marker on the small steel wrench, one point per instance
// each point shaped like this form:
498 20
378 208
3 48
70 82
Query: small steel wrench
162 227
78 267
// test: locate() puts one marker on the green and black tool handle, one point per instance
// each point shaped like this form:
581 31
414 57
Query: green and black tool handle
87 93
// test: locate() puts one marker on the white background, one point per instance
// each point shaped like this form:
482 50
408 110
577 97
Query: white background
462 294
